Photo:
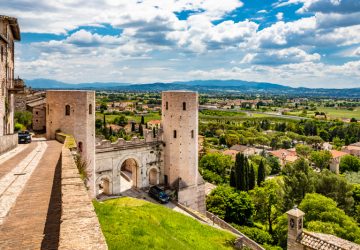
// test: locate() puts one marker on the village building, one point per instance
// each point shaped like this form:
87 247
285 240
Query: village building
353 149
300 239
247 151
335 160
9 34
285 155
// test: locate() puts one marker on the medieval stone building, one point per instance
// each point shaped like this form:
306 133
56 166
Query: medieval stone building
300 239
168 157
9 33
73 112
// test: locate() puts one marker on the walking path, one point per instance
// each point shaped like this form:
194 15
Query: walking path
30 197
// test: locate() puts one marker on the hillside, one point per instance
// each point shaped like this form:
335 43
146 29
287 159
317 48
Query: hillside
202 86
129 223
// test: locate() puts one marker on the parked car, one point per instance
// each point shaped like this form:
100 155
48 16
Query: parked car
159 194
24 137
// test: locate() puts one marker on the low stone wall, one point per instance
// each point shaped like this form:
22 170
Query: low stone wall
242 241
8 142
79 228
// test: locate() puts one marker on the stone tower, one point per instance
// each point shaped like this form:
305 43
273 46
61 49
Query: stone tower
180 135
295 228
73 112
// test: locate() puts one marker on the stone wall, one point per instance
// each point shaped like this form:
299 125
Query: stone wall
242 241
8 142
80 228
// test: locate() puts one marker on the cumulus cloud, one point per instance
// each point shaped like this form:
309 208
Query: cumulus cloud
283 56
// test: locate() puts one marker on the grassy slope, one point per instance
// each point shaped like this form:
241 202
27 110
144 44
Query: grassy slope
129 223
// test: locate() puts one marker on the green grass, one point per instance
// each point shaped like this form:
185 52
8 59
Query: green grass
129 223
335 113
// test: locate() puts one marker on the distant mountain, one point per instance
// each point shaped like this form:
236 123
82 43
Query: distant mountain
203 86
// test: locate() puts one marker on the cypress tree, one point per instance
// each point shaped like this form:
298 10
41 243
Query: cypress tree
240 172
132 126
142 120
251 177
247 173
232 178
261 173
141 131
104 122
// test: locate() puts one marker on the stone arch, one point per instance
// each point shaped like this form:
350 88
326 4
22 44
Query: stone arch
153 174
130 170
104 185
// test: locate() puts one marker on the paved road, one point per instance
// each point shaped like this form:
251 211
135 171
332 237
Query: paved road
30 198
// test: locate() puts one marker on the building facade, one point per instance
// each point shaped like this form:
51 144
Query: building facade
9 33
73 112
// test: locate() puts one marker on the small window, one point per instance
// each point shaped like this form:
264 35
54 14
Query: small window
67 110
37 112
167 105
184 105
48 109
90 109
175 134
192 133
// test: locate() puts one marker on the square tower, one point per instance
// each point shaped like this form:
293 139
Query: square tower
73 112
295 228
180 134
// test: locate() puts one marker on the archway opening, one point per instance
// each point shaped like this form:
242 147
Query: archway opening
129 174
153 177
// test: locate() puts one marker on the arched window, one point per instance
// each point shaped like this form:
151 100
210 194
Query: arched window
167 105
67 110
184 105
90 109
175 134
192 133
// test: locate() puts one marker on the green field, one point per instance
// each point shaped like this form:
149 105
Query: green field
129 223
136 118
335 113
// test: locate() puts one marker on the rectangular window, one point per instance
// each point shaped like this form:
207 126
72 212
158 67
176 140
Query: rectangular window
167 105
175 134
184 105
192 133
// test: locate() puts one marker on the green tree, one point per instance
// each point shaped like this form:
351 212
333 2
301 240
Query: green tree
268 202
261 173
230 205
24 118
322 215
303 150
335 187
218 164
252 178
133 127
141 130
299 179
121 120
98 123
321 159
349 163
241 172
142 120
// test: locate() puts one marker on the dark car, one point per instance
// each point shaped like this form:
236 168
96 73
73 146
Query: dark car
24 137
159 194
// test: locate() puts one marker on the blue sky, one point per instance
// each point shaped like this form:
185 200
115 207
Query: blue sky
311 43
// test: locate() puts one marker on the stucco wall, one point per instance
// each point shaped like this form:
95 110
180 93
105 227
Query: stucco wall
8 142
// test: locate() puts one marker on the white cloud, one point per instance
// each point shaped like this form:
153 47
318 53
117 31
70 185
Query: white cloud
279 16
283 56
